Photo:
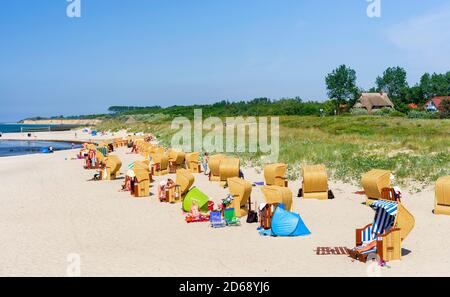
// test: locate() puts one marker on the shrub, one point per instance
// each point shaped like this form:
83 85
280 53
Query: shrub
359 111
416 114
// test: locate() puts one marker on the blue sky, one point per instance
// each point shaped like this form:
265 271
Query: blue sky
166 52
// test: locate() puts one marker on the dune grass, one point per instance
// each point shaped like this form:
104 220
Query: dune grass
417 151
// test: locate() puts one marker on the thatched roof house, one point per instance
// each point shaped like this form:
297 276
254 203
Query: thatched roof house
373 101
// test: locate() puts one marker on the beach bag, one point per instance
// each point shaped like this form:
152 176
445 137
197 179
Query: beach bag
252 216
330 194
300 193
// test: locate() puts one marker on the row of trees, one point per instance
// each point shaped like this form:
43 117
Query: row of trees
342 87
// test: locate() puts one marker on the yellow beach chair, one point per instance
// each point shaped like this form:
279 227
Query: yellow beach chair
214 166
192 162
142 185
374 182
113 165
391 226
275 175
277 194
160 164
228 168
240 190
184 182
442 199
315 182
176 159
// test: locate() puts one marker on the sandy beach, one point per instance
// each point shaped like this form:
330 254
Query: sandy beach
49 210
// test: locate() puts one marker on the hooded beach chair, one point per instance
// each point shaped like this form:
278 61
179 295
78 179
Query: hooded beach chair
112 167
228 168
275 175
374 182
442 199
315 182
176 160
277 194
391 226
192 162
184 182
142 184
240 190
160 164
214 167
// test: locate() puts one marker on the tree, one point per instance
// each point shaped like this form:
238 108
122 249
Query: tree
393 82
341 85
444 109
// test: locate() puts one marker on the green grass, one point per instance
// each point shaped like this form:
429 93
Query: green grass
416 150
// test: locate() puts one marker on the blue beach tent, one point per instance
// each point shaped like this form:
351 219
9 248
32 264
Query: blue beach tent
286 223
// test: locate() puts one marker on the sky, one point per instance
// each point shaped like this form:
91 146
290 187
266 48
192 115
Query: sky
176 52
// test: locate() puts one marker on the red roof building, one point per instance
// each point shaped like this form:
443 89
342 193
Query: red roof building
434 103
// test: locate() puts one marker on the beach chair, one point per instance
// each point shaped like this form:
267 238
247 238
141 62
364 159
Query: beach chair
240 190
192 162
391 226
315 182
229 215
228 168
277 194
216 220
184 182
442 198
142 184
112 166
374 182
214 167
160 164
176 160
275 175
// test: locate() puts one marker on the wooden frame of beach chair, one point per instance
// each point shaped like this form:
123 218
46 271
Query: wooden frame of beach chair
240 190
214 167
374 182
177 160
275 175
389 245
160 164
229 168
277 194
192 162
315 182
184 181
142 184
113 165
442 196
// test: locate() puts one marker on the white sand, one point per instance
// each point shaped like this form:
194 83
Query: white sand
49 210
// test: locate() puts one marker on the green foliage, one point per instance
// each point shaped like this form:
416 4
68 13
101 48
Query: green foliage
393 82
416 114
359 111
389 112
341 85
445 109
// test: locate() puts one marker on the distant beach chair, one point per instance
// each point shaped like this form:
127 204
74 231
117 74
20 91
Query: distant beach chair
442 198
176 160
214 166
240 190
192 162
113 165
275 175
391 226
228 168
142 185
374 182
315 182
160 164
277 195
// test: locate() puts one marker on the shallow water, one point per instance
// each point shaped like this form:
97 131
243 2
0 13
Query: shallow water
25 147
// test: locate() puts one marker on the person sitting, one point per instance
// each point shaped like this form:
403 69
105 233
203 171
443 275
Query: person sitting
165 185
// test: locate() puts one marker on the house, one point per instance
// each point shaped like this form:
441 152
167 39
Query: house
434 104
373 101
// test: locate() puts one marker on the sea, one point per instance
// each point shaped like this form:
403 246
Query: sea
25 147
